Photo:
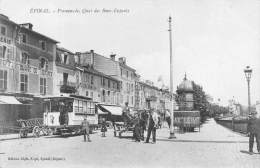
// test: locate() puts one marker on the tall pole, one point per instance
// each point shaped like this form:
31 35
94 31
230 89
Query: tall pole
249 101
171 83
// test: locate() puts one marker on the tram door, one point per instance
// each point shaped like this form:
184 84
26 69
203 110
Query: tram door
64 117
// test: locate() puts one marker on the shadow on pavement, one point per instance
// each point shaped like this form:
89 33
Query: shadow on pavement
246 152
200 141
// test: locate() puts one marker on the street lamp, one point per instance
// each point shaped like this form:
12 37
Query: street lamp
248 73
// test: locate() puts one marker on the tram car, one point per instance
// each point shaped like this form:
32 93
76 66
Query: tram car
64 114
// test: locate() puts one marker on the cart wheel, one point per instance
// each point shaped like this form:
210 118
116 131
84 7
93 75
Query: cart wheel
36 131
23 133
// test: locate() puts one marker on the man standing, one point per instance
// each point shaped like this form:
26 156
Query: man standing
126 113
168 118
253 130
85 129
152 124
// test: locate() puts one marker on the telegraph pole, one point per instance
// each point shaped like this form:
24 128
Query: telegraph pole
171 83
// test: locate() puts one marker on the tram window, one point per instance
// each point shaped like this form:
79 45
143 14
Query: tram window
76 106
92 108
88 108
70 106
80 106
84 107
54 106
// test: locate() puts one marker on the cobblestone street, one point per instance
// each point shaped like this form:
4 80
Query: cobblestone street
213 146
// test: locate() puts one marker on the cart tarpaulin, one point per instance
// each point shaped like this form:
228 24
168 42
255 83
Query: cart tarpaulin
114 110
9 100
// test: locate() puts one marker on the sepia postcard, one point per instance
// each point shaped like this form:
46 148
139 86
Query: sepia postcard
129 83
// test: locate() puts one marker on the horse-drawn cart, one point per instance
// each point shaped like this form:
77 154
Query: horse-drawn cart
34 126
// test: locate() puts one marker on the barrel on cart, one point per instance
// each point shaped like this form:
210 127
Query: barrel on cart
34 126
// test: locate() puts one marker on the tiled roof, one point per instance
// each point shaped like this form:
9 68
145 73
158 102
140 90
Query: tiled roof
94 71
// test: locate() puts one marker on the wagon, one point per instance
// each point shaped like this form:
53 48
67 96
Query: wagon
34 126
121 127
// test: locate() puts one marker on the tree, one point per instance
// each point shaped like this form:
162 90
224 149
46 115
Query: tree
200 101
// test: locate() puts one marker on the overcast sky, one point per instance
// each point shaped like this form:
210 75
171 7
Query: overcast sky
213 40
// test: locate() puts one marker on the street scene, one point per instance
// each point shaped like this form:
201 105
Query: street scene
129 84
195 149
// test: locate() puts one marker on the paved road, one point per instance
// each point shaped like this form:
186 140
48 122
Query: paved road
213 146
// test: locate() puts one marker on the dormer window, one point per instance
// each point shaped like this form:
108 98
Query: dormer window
44 64
43 45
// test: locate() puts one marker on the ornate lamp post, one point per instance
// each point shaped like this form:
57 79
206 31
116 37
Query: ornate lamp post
248 73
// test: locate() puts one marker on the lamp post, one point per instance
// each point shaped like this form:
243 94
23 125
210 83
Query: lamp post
171 84
248 73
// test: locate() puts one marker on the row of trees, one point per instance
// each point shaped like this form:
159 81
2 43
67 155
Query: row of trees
201 103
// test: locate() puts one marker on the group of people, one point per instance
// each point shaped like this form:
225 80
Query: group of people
149 123
142 122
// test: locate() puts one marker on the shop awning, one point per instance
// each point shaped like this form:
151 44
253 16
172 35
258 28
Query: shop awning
9 100
101 112
114 110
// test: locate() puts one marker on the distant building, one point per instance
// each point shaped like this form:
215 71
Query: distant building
235 108
116 69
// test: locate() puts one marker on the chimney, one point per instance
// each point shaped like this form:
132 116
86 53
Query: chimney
122 60
113 57
27 25
92 57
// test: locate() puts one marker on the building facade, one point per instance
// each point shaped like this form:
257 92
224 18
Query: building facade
26 68
116 69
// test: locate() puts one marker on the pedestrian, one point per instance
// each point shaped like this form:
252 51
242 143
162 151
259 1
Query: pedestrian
85 129
137 129
126 114
103 127
253 130
168 118
152 125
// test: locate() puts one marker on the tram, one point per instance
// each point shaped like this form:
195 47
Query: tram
64 114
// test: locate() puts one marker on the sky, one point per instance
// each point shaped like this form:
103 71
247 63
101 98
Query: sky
213 41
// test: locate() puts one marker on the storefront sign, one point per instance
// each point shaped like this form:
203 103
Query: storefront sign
24 68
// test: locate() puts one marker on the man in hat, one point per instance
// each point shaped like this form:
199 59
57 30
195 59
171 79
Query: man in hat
254 132
152 125
85 129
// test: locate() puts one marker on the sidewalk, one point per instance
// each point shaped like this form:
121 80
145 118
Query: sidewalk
4 137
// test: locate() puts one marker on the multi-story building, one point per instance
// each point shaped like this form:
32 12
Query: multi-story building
116 69
26 67
71 76
150 96
65 72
